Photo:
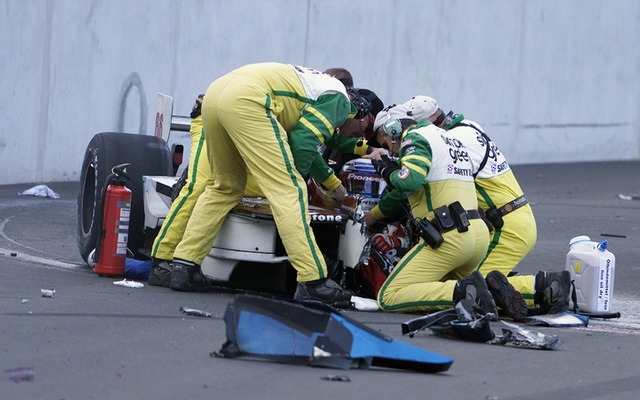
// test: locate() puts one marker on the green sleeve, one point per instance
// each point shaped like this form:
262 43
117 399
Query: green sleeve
415 161
344 144
316 126
319 170
391 202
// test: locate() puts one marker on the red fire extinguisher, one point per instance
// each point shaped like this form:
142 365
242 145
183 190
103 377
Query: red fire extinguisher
111 249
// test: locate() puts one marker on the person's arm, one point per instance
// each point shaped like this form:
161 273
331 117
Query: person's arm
323 174
415 161
316 126
389 205
351 145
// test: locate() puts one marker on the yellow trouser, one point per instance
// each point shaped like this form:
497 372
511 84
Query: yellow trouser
424 279
199 172
242 133
509 245
176 221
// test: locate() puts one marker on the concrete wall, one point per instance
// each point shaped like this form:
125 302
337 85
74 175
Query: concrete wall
550 81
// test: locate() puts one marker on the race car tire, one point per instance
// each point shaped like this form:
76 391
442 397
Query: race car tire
148 155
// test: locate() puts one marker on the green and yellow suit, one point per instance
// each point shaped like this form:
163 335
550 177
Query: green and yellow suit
270 119
180 211
435 171
496 185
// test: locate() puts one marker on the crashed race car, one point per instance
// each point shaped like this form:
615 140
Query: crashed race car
247 253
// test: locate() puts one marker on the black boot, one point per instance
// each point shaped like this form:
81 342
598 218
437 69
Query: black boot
506 296
475 288
552 291
324 290
187 277
160 273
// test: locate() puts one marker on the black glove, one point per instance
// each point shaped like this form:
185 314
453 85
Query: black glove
385 167
197 107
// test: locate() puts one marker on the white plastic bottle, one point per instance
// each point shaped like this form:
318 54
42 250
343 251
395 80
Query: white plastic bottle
592 269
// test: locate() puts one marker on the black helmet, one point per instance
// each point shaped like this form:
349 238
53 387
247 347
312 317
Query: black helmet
365 101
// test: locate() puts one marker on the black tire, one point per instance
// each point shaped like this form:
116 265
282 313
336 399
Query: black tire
148 155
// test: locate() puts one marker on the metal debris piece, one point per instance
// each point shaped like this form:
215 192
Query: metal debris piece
336 378
525 338
474 330
415 325
23 374
461 322
193 311
128 283
47 292
366 252
614 235
629 197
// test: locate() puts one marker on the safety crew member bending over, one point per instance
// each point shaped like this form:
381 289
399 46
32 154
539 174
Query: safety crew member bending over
269 118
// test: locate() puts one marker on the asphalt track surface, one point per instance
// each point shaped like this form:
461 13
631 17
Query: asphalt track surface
96 340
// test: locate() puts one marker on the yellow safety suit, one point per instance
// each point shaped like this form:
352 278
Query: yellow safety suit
497 186
435 171
199 171
269 118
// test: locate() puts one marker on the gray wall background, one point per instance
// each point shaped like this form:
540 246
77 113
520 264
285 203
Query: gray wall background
550 81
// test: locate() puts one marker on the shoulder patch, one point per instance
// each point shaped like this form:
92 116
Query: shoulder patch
406 142
404 173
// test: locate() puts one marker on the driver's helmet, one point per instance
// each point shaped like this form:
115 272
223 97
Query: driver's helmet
359 177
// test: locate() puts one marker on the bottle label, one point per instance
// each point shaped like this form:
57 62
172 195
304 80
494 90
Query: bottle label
605 276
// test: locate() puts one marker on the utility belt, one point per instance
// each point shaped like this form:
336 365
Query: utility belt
494 214
446 218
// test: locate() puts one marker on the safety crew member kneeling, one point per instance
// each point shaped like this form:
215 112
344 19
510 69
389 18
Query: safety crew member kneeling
439 270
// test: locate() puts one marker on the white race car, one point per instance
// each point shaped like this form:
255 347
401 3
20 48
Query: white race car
248 253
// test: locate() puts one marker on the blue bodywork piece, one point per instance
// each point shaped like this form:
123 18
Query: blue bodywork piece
316 335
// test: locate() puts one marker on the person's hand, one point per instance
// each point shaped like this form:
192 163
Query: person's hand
340 193
369 219
376 153
384 242
385 167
